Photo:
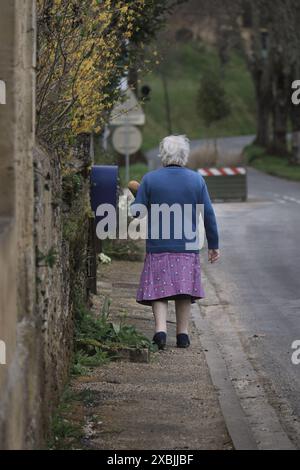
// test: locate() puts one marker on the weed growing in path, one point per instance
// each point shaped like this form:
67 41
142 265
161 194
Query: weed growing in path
98 340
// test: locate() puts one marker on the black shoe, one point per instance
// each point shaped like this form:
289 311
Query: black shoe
160 339
183 341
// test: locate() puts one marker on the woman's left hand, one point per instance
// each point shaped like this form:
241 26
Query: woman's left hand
133 186
213 255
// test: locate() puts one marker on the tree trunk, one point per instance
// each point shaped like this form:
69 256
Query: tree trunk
280 121
263 122
133 79
295 157
281 107
167 103
295 118
262 83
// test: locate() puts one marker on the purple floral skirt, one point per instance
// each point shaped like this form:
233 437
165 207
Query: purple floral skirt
170 276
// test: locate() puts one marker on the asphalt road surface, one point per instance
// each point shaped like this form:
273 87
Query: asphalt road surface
253 306
226 146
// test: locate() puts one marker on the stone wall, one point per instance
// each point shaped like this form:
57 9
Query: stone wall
19 413
53 309
61 239
43 243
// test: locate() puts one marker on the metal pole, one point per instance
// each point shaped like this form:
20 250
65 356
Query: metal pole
127 154
127 163
167 103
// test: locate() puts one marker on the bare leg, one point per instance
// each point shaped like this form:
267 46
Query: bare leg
183 311
160 311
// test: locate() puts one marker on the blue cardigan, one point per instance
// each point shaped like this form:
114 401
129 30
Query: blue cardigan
175 185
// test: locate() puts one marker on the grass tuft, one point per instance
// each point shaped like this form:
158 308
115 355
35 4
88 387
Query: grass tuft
258 158
97 339
65 433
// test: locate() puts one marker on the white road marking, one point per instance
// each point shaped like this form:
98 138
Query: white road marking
291 199
283 199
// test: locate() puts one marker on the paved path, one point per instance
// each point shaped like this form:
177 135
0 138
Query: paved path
253 306
169 403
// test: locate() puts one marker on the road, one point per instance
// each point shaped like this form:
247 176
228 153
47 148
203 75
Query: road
252 307
226 146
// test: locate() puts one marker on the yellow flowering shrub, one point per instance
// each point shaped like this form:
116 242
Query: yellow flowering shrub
85 47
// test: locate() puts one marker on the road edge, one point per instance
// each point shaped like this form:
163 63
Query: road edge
234 416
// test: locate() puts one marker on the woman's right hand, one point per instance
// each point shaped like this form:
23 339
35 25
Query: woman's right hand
213 255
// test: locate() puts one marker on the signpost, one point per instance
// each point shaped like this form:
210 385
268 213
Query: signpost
127 138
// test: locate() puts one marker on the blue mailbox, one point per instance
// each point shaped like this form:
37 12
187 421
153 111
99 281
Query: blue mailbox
104 190
104 185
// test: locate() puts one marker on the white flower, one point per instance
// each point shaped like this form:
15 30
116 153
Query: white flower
104 259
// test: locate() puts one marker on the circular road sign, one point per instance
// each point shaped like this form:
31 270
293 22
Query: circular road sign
127 140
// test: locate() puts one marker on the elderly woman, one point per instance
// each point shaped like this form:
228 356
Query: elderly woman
172 265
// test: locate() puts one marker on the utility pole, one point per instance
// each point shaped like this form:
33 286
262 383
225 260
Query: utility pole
167 103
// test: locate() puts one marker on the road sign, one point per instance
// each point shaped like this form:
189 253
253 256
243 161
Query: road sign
128 111
127 139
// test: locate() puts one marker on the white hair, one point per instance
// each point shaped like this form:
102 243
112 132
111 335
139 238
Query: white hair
174 149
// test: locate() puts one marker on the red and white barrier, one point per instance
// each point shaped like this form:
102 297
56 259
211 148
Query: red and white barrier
232 171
